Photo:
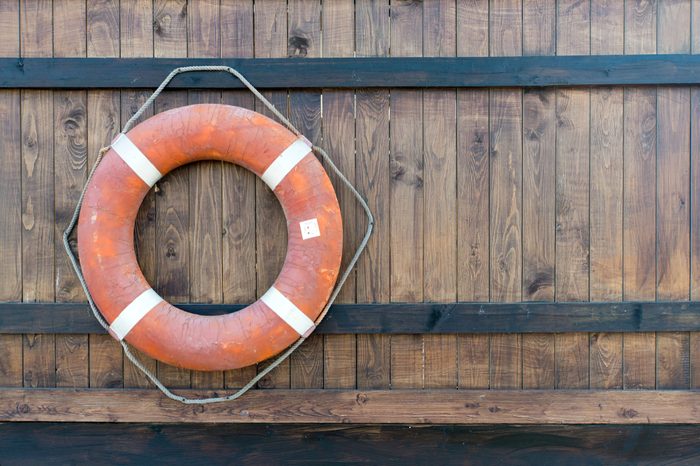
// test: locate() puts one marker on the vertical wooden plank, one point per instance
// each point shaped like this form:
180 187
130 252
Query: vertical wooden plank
172 237
144 237
505 121
694 206
673 191
11 193
270 29
136 23
70 154
36 28
473 155
639 188
206 262
473 227
10 231
606 149
69 28
39 354
238 200
373 175
239 278
505 28
172 199
136 40
170 28
9 29
406 194
572 203
440 194
103 28
340 359
539 141
106 366
304 40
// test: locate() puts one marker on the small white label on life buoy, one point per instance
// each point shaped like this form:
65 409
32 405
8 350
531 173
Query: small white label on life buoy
309 229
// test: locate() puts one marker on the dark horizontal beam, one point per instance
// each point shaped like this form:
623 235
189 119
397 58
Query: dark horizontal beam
396 318
444 406
216 444
295 73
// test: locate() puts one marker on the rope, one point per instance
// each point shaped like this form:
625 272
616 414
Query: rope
346 273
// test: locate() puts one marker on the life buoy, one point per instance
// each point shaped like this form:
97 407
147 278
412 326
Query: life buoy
135 311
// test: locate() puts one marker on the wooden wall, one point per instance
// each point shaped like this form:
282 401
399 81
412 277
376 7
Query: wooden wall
480 195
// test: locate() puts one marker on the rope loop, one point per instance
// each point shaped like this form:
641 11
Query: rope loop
346 273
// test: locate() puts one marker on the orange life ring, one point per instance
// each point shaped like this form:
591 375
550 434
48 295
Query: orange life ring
134 310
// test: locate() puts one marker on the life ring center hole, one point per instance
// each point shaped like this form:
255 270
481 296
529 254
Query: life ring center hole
210 232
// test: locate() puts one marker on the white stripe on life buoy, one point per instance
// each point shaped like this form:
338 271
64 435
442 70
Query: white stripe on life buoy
136 160
134 312
284 163
287 311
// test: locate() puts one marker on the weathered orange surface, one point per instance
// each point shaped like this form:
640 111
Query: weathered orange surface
106 237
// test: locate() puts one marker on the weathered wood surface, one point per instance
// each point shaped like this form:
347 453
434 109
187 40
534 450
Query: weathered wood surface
502 195
54 443
354 73
408 318
352 406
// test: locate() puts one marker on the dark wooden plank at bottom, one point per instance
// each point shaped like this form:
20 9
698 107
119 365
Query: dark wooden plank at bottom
409 318
54 443
286 406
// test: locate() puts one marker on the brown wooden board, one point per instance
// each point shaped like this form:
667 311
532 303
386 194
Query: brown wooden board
352 406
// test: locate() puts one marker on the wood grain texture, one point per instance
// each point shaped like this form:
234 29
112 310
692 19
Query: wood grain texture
9 29
58 443
70 173
136 40
271 41
170 28
409 318
350 406
606 195
37 188
506 191
144 235
505 125
338 29
205 184
304 40
172 243
103 28
356 73
406 195
572 198
10 211
673 190
506 221
473 178
172 238
11 192
639 209
106 366
440 194
238 184
372 37
539 189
